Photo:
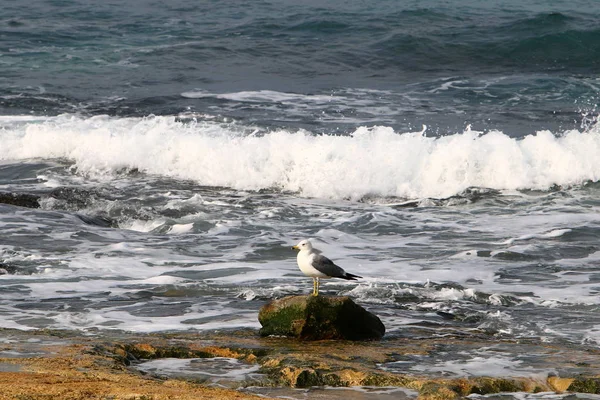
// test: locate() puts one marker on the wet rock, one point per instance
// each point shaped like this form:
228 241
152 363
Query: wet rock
436 391
318 318
74 198
101 363
98 220
20 199
146 351
496 385
585 385
7 268
309 378
79 372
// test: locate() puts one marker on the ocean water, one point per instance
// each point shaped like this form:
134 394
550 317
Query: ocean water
445 151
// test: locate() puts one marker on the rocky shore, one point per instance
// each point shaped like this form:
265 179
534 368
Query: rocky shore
67 365
59 365
62 366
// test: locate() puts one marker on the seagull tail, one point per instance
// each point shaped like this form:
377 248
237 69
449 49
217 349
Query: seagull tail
350 277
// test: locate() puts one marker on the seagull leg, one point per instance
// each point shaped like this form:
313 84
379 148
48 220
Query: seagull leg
317 293
314 286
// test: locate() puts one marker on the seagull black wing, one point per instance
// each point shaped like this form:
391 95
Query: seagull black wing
328 267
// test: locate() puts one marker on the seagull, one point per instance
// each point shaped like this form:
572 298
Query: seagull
313 264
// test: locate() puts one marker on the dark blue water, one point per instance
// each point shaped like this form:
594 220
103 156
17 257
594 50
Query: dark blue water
515 66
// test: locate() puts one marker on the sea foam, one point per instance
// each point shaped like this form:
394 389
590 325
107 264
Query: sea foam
371 161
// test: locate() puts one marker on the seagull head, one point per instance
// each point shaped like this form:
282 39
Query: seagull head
303 245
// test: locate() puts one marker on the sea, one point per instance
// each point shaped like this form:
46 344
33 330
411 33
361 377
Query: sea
446 151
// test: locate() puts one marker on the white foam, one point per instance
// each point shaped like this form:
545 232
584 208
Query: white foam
485 363
12 324
176 204
179 229
260 96
161 280
144 226
371 161
217 367
547 235
20 118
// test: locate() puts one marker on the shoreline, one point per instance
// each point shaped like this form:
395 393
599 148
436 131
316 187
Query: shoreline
64 366
68 365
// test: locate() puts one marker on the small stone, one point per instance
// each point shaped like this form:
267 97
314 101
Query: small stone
319 318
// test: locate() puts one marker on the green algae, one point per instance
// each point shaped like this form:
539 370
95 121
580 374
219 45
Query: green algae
496 385
319 318
283 322
585 385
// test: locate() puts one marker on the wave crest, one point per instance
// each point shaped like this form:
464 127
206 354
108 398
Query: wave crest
374 161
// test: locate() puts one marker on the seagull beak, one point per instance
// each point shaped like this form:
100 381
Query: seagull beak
295 248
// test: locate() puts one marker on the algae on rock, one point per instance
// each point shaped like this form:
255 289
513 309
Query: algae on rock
318 318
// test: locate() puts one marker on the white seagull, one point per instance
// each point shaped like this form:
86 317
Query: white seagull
313 264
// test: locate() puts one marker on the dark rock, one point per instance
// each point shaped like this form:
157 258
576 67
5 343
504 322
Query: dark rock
73 198
309 378
20 199
7 269
98 220
318 318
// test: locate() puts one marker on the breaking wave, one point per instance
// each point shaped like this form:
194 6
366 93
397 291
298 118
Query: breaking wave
374 161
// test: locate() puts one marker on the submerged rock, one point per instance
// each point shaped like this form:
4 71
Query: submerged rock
7 268
98 220
20 199
318 318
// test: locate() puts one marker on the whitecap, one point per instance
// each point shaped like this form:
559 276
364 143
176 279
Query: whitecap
369 161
